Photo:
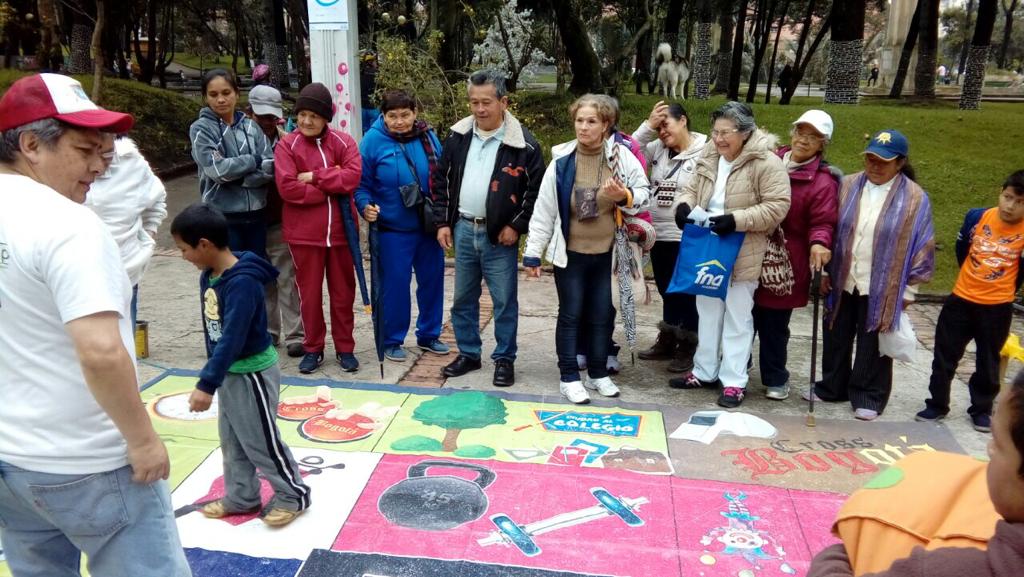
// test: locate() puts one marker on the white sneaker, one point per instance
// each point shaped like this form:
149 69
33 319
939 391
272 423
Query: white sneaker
604 385
575 392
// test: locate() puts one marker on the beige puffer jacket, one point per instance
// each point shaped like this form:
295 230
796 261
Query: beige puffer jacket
757 194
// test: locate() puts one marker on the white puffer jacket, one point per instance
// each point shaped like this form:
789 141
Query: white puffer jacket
131 201
546 229
662 162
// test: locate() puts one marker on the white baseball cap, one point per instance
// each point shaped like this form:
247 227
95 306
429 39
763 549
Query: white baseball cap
819 119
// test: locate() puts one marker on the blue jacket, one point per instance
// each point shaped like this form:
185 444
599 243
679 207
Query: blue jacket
966 234
234 316
385 170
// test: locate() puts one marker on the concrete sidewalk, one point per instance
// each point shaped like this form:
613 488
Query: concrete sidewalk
170 302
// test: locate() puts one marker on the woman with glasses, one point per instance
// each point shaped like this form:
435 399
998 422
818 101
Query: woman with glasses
884 248
807 234
743 187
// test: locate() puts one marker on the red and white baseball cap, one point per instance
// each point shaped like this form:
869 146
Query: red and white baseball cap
42 96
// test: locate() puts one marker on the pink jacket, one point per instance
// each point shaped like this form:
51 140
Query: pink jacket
310 215
812 217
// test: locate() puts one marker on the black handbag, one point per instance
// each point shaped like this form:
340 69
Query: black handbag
413 196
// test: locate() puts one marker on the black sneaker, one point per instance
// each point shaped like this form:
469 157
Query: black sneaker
310 362
929 415
349 362
295 350
690 381
731 397
982 422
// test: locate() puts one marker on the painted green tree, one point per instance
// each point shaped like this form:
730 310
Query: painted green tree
455 413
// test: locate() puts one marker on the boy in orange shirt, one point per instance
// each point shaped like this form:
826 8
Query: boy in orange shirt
988 249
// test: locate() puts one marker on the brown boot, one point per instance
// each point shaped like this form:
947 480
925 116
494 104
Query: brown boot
686 347
664 347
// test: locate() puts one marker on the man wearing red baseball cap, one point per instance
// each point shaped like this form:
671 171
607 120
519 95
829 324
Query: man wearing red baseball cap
81 468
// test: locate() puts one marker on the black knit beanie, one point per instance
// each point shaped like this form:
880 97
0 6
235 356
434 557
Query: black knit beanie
316 98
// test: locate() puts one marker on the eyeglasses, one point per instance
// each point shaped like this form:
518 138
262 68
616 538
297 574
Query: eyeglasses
724 133
807 137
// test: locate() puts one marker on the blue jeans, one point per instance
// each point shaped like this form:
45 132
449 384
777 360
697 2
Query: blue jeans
584 306
248 231
124 528
475 259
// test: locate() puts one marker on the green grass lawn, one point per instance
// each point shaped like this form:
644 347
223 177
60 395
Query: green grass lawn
208 62
961 158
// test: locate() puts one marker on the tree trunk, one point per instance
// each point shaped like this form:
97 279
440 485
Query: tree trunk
846 52
766 14
801 61
775 52
50 51
586 69
1007 31
974 72
702 62
642 77
963 53
300 36
673 17
736 68
450 443
927 50
449 26
81 41
97 52
907 53
724 46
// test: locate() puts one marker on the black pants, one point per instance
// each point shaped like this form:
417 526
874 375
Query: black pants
868 383
248 231
677 309
584 299
960 322
772 328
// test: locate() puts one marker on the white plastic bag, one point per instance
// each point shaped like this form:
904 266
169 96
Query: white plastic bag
901 343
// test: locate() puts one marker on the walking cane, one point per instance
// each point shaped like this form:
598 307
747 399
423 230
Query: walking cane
816 296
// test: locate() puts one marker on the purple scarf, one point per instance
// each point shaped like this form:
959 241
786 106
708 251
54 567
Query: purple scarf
903 249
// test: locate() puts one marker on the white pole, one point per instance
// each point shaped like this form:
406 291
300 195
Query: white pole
333 54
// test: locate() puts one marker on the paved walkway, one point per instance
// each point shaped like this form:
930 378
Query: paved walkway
168 301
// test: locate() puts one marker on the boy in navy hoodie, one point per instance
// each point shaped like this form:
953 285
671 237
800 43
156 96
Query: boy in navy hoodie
242 366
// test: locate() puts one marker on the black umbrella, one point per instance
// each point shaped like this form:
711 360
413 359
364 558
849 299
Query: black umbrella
375 293
352 237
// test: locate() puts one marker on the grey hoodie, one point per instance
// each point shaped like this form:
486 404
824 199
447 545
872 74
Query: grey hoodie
236 163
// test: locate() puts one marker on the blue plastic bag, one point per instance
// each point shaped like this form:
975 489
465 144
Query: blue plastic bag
705 262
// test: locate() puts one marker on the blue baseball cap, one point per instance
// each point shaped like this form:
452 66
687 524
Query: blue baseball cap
888 145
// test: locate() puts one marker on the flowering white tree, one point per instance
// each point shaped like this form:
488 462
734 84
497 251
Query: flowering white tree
511 45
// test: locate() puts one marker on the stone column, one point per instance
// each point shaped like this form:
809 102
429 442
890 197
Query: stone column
901 12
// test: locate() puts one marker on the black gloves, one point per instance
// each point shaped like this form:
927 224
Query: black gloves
682 212
722 224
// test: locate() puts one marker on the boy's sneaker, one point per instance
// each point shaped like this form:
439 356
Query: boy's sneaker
929 415
982 422
349 362
278 517
779 393
690 381
603 385
731 397
613 366
310 362
434 346
218 510
575 392
394 353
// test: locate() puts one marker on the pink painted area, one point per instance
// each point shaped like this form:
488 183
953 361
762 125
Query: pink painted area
529 493
792 527
343 68
340 87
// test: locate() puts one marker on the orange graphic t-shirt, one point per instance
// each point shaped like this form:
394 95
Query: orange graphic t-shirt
989 274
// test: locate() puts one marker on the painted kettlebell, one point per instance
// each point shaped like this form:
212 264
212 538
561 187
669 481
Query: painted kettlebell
436 503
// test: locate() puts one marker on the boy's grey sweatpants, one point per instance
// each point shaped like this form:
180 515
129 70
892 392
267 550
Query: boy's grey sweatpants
250 440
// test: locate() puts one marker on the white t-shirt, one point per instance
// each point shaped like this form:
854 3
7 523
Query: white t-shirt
58 263
716 205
